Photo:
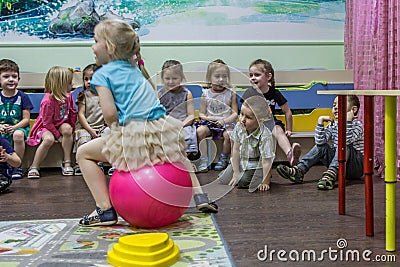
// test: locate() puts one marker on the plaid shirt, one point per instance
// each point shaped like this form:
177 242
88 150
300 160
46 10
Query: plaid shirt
253 147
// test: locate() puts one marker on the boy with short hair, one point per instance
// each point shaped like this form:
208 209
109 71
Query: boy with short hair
325 149
15 110
253 148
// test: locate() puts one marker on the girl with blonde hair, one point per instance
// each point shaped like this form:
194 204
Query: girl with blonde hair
56 120
140 132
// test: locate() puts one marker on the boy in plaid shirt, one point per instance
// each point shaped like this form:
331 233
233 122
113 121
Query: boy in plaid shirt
253 148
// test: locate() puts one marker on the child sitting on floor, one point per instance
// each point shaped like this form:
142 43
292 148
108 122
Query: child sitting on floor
325 149
253 148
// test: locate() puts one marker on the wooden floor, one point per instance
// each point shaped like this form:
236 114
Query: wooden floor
292 218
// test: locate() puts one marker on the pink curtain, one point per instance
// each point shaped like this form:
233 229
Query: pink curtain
372 50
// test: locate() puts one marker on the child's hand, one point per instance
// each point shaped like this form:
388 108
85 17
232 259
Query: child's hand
3 155
234 179
6 128
220 123
93 133
264 187
288 133
323 119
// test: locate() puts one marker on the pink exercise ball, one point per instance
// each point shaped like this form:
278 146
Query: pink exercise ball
152 196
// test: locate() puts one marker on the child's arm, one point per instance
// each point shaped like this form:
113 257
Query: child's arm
107 104
11 159
289 119
323 134
190 110
203 109
354 129
266 165
235 163
72 113
47 112
83 121
234 107
26 115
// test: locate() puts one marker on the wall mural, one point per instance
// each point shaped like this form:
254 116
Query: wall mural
175 20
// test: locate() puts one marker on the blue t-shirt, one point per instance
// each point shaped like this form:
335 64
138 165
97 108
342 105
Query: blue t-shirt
6 168
134 96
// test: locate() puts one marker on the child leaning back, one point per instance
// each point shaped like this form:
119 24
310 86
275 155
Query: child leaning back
325 148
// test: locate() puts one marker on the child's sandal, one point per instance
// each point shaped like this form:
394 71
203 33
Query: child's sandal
33 173
67 170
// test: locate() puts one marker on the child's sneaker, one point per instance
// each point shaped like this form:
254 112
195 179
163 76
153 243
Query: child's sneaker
204 205
100 217
327 182
222 163
111 171
101 165
5 182
17 173
77 170
294 174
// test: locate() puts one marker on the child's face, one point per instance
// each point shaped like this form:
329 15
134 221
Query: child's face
258 78
100 51
171 80
87 78
219 79
9 80
335 108
248 120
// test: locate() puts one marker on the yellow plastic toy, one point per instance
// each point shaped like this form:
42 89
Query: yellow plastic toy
147 249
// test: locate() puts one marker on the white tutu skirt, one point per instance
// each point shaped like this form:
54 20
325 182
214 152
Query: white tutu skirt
141 143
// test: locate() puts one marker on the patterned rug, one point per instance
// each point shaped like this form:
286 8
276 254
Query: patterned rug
61 243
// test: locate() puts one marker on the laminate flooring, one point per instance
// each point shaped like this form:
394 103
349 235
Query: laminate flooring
295 225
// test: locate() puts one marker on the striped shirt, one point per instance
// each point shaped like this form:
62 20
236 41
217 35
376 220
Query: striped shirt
354 134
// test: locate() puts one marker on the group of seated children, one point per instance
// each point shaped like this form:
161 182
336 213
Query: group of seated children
248 147
57 119
252 136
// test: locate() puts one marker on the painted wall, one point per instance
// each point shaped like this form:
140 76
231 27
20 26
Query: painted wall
283 55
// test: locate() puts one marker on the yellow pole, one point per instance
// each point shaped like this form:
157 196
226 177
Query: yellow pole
390 171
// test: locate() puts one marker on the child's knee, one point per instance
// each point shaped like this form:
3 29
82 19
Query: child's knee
66 129
202 132
48 140
18 137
